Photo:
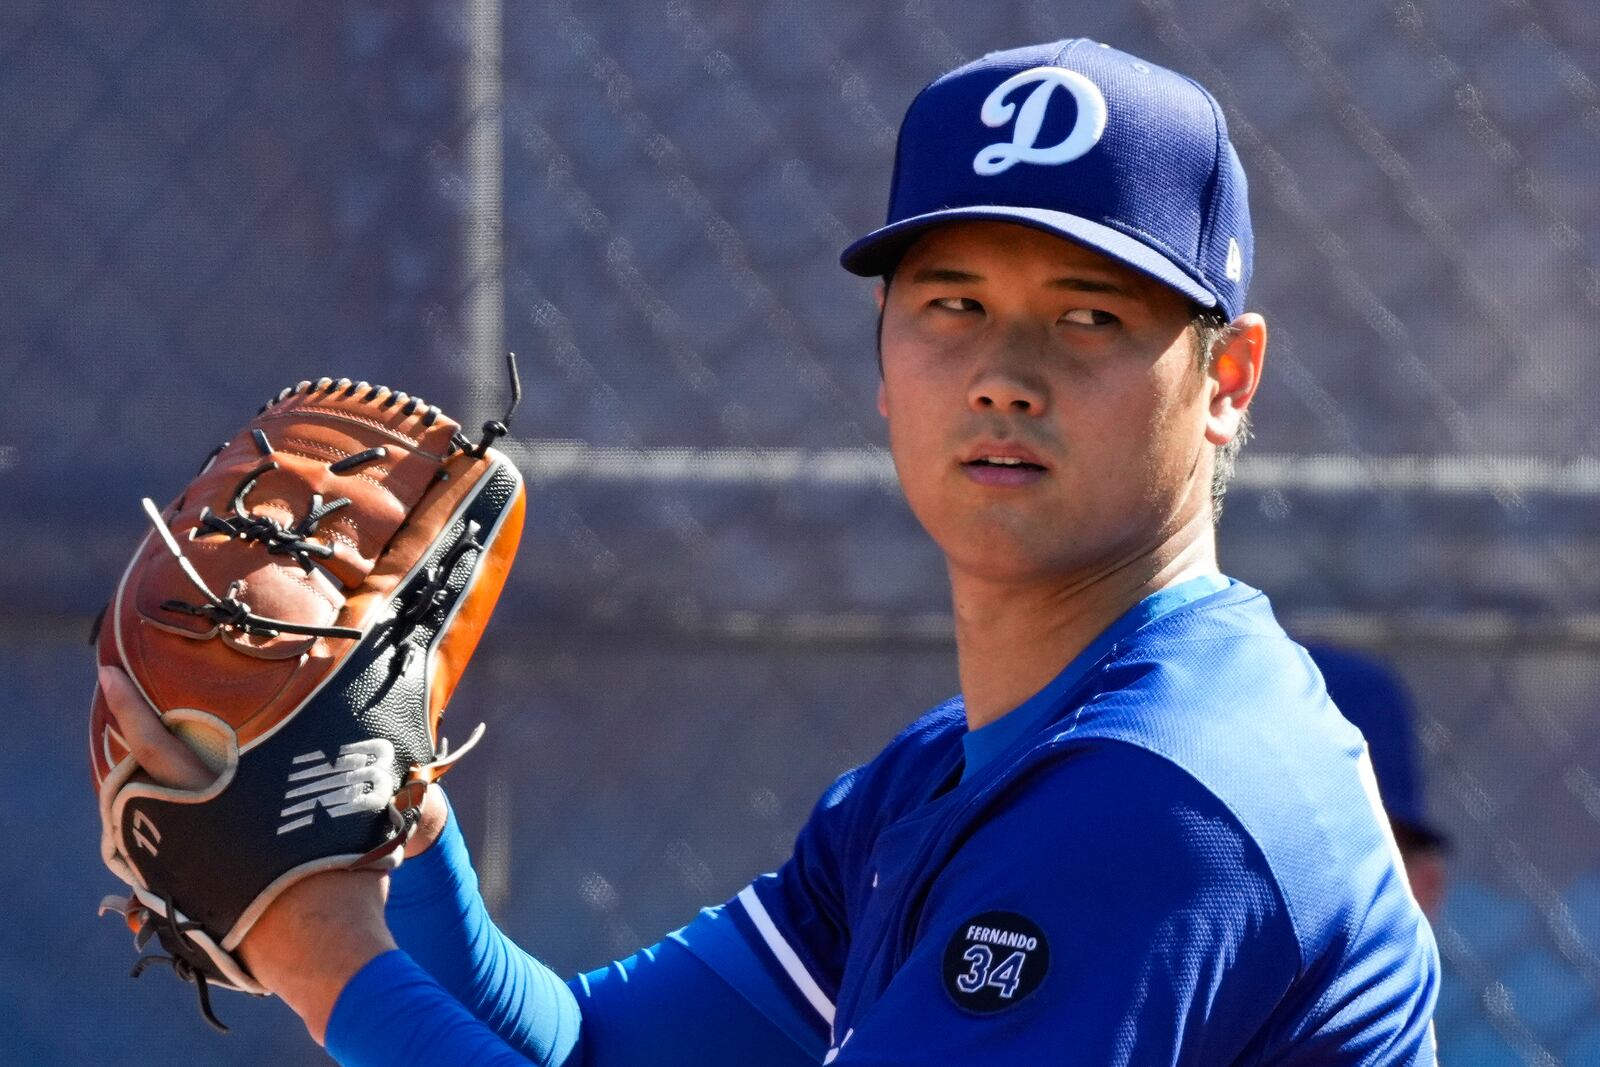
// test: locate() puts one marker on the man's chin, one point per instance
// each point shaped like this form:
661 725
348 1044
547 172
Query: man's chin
1003 553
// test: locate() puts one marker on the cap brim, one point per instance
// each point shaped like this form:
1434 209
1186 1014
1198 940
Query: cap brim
878 252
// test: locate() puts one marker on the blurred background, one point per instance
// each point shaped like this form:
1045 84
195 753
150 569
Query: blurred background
721 600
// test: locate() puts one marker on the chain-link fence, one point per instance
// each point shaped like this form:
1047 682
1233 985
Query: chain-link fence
721 600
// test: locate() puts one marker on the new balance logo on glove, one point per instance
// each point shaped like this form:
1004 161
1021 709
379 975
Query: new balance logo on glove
361 778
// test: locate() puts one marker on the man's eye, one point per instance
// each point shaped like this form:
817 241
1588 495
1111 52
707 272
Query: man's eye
957 303
1090 317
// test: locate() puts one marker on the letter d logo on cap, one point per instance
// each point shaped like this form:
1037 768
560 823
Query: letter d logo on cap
1003 155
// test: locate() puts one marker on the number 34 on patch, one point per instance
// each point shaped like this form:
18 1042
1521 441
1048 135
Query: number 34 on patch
994 960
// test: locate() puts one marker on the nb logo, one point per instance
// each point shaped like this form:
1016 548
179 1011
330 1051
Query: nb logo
997 111
361 778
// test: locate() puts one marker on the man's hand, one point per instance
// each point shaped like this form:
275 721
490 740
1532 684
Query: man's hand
320 931
166 759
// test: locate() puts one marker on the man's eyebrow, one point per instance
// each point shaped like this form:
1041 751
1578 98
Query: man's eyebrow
1087 285
948 275
945 274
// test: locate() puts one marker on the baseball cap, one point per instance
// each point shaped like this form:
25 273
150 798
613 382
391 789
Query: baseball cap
1083 141
1370 694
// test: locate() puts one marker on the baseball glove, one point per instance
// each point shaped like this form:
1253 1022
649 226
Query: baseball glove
300 616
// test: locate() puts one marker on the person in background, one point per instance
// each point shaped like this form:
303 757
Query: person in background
1375 699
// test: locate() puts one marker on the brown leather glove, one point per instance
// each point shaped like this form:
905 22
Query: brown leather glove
300 615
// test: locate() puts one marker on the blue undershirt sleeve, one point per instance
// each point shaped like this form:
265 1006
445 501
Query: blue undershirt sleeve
660 1006
438 918
392 1012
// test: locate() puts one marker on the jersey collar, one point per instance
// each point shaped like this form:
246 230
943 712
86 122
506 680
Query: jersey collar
985 743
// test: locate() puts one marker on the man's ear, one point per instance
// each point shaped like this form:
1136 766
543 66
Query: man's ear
1234 375
880 291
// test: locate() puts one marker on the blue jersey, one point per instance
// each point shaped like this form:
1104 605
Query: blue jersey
1173 854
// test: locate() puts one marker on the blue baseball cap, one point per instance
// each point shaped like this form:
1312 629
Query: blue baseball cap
1370 694
1083 141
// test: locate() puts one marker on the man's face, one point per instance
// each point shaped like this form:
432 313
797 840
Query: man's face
1045 411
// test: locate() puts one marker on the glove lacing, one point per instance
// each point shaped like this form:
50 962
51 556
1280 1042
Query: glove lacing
229 610
176 940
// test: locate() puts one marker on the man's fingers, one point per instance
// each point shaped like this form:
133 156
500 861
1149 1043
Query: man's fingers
162 755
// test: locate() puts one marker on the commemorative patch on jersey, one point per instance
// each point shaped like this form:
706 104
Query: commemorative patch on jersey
994 960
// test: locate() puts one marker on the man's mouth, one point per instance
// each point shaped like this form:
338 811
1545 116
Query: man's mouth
1007 462
1003 465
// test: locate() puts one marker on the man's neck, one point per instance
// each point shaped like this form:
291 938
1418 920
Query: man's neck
1012 638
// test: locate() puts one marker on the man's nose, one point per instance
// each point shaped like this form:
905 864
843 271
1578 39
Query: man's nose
1007 383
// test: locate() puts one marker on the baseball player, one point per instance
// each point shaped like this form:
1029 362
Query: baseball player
1141 833
1372 695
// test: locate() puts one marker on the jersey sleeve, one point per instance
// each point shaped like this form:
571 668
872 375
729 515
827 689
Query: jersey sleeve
782 941
663 1007
1109 908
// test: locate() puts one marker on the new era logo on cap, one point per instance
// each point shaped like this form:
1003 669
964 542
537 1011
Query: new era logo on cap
1118 154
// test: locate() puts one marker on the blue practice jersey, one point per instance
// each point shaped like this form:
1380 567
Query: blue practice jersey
1174 853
